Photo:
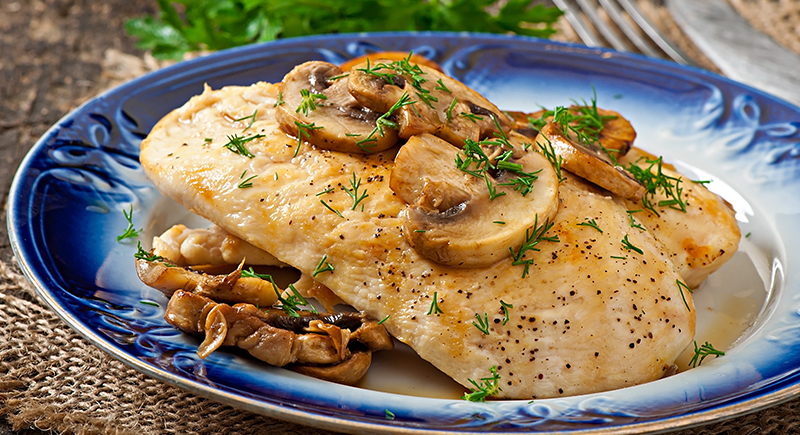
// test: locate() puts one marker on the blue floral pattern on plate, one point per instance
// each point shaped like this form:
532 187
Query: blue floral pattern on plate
66 203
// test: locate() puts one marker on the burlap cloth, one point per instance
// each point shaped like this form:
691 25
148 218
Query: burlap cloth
52 379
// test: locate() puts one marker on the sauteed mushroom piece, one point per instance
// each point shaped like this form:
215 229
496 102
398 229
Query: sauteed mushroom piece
279 339
318 108
451 217
590 164
163 275
441 106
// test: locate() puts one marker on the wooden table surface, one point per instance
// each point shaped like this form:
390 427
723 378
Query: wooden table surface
51 55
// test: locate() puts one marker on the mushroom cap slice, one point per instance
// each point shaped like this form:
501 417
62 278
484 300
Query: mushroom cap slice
346 124
590 164
451 218
617 134
443 106
392 55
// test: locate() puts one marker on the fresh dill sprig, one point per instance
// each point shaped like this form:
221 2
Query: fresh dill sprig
308 101
340 76
389 415
322 201
700 353
384 121
328 190
323 266
681 286
303 129
236 144
591 223
505 307
532 238
252 119
483 323
654 180
441 87
383 320
141 254
246 183
292 303
635 224
550 154
489 386
472 117
279 101
435 305
153 304
130 232
449 111
353 191
629 246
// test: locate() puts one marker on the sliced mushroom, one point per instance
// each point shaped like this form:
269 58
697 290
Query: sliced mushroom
590 164
391 55
442 105
168 278
616 136
347 126
279 339
451 218
346 372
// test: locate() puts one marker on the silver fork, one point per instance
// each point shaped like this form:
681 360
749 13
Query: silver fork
618 32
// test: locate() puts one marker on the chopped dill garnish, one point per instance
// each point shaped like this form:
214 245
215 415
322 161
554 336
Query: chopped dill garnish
389 415
505 306
532 238
681 286
435 305
280 99
246 183
330 208
340 76
384 319
130 232
384 121
309 101
323 266
629 246
236 144
482 324
555 160
441 87
635 224
449 111
149 303
472 117
141 254
700 353
353 191
654 182
591 223
328 190
252 119
488 387
303 129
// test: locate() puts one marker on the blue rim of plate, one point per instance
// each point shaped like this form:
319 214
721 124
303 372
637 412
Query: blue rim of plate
66 199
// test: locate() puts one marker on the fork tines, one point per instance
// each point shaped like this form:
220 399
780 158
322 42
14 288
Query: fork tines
620 25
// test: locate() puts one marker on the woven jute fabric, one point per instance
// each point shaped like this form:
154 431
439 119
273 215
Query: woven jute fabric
54 380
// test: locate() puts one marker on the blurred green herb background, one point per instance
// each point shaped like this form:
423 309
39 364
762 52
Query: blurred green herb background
190 25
